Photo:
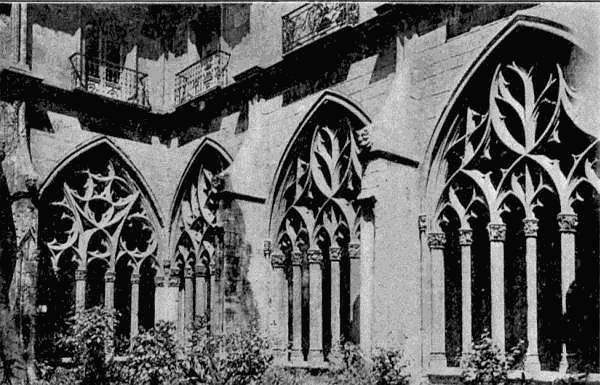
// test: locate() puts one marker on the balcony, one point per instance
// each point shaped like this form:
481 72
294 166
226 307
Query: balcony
201 77
109 80
312 21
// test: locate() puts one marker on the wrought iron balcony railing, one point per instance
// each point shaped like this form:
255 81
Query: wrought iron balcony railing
109 79
204 75
314 20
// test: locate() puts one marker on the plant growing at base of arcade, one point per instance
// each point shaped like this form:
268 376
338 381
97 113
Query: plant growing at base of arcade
90 338
240 356
152 357
487 364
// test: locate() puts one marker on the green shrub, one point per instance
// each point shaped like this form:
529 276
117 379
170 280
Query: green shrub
390 367
486 364
349 366
90 339
152 357
238 358
275 375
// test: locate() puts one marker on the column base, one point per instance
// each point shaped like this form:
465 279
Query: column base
296 355
564 361
316 355
532 363
438 360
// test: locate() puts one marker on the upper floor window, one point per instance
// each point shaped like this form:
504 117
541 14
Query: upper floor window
102 47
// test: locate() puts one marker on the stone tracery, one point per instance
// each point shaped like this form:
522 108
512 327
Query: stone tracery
100 217
519 152
317 224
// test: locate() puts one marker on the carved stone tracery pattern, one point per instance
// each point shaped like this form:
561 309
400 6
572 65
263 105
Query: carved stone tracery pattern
315 198
197 218
510 150
102 216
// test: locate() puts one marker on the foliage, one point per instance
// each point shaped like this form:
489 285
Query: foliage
236 358
55 375
280 376
390 367
152 357
487 364
90 339
349 366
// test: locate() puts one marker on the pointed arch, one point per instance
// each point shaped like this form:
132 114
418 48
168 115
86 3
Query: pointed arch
205 147
95 143
519 23
343 103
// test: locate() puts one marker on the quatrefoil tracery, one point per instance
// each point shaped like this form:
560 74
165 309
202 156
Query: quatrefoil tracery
102 218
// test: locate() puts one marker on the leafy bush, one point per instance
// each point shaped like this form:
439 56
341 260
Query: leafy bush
390 367
240 357
349 366
280 376
152 357
90 339
487 364
385 367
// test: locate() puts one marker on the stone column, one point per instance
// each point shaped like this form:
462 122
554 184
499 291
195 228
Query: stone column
497 234
161 300
425 292
188 302
466 240
334 258
80 290
567 225
172 292
215 308
367 255
532 360
315 274
437 358
109 290
296 354
135 301
201 294
280 303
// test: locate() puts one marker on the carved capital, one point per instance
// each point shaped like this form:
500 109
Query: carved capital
497 232
465 237
267 249
277 261
436 240
135 278
422 223
315 256
354 250
334 254
80 275
296 258
174 279
109 276
188 273
567 223
159 281
530 227
201 270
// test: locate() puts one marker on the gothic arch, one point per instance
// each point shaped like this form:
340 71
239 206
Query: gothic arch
206 145
519 23
503 178
312 211
197 237
114 149
328 96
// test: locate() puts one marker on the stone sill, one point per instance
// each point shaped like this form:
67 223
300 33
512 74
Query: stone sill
452 375
308 365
